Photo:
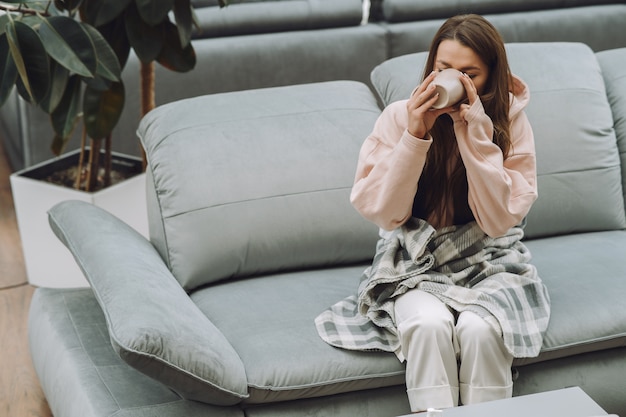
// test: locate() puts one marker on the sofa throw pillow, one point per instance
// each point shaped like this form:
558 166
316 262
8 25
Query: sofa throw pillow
258 181
578 163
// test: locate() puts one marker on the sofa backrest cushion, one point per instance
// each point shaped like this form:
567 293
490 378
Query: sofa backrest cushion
410 10
613 63
245 17
258 181
578 164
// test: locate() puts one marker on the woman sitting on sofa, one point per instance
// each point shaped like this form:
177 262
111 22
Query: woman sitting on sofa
467 171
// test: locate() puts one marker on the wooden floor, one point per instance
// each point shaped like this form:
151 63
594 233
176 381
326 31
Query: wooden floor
20 393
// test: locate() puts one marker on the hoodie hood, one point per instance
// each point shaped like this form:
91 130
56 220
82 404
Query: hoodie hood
520 96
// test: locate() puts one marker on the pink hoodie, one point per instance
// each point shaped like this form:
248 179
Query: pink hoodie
501 192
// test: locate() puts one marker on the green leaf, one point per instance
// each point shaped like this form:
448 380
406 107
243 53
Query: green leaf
30 58
31 20
8 71
58 83
144 39
97 83
21 90
154 12
114 33
67 41
4 19
184 20
69 5
102 110
173 56
99 12
60 5
66 115
107 64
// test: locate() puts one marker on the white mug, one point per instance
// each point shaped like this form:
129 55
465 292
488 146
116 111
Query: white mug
449 87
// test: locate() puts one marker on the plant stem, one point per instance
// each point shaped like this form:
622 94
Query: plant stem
147 96
107 161
94 164
81 159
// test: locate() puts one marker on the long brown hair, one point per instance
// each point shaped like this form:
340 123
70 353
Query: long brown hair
437 189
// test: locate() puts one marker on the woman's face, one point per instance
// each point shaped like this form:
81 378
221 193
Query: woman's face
451 54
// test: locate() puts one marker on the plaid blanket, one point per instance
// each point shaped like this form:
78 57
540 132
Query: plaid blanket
464 268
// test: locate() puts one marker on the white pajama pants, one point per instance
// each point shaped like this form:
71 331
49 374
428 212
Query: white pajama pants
447 358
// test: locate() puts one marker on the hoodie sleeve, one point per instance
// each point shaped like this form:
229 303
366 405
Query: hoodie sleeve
390 163
501 191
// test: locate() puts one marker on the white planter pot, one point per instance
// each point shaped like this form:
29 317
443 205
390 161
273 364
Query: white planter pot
48 262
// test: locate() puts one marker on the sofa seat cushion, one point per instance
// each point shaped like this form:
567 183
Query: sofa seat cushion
270 323
285 359
244 17
258 181
586 279
581 192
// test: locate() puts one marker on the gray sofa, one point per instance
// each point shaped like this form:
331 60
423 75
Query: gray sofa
252 236
266 43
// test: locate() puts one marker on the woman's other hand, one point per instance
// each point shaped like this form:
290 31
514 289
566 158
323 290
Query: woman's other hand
472 94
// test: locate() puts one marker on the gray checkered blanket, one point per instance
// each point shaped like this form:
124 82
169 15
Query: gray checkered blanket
462 266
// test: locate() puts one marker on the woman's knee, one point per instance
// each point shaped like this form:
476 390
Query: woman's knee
419 305
418 325
423 313
471 328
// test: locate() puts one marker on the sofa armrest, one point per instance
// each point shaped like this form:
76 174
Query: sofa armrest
153 324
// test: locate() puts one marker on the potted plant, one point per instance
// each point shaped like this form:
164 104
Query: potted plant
66 57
